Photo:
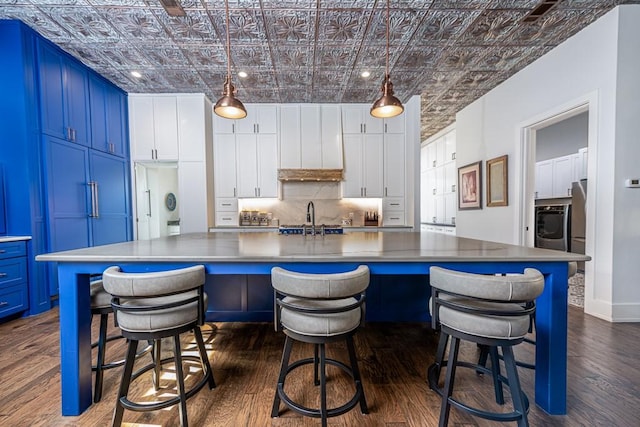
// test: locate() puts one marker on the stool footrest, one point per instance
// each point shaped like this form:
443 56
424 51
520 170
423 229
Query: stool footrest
316 413
143 407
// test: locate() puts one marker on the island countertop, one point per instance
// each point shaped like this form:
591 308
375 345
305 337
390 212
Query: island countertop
349 247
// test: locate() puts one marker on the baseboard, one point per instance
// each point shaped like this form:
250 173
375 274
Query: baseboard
616 313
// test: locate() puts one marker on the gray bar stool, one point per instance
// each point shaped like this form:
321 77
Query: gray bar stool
101 305
152 306
492 311
319 309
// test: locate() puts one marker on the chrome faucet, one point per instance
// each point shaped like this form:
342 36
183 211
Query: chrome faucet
311 216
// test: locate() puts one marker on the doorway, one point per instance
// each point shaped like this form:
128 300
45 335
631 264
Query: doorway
156 187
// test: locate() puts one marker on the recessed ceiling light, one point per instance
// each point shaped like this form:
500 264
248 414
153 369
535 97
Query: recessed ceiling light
242 74
365 74
136 74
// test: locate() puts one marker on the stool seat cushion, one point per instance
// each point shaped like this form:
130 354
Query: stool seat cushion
320 324
498 327
158 320
99 297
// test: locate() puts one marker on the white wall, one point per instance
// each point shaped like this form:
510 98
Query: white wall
563 138
583 69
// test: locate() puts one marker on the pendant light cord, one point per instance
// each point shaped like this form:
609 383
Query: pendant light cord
386 76
226 4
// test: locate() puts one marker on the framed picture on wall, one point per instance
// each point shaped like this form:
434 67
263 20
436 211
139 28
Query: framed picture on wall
497 182
470 186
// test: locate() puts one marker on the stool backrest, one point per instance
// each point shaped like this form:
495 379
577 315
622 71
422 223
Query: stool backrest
156 291
512 288
322 285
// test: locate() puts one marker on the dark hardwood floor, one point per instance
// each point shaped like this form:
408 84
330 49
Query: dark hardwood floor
603 378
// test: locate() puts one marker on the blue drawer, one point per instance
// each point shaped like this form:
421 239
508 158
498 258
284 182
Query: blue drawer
13 299
13 249
13 271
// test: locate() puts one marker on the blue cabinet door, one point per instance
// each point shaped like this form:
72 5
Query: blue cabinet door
64 95
112 222
69 195
52 103
107 117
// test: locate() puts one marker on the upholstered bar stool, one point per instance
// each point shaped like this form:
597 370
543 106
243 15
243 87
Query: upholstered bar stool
153 306
492 311
319 309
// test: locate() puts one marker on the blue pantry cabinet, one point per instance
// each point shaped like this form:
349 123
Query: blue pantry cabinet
64 149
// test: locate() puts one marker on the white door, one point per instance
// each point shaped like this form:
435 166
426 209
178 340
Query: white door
143 203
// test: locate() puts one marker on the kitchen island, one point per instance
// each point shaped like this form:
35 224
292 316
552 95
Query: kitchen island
235 254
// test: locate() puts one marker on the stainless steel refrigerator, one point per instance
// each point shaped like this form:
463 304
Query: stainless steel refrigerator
578 218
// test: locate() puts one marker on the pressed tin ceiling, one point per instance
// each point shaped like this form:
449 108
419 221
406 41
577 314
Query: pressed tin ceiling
449 51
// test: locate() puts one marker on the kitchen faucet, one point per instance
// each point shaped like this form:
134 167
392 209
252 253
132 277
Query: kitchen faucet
311 216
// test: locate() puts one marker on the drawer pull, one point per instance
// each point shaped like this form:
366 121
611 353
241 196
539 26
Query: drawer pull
3 274
3 303
2 251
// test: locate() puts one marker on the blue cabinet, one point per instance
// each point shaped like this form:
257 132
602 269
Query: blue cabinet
64 95
13 278
50 158
107 117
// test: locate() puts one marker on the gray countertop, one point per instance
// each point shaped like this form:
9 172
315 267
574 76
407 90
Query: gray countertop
238 247
13 238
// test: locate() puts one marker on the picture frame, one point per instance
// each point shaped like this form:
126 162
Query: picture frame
470 186
497 182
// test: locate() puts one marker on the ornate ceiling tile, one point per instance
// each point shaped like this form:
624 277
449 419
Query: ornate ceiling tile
290 26
83 23
135 24
450 51
491 27
441 27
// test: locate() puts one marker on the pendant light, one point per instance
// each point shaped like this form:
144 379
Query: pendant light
229 106
387 105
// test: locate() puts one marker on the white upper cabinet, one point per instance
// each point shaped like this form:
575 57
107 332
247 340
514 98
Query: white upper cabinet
222 125
554 176
224 165
192 127
356 119
395 124
394 165
261 118
364 159
153 127
439 180
310 136
257 163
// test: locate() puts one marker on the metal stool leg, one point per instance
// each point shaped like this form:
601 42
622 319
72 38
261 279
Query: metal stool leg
177 357
124 383
445 409
514 385
286 354
323 386
102 344
356 374
204 358
495 372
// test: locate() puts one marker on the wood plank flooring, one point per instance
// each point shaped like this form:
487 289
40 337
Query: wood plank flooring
603 378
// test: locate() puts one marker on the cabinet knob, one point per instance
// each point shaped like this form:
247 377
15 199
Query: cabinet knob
3 274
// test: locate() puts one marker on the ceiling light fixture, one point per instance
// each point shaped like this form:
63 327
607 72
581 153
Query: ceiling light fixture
365 74
387 105
136 74
242 74
229 106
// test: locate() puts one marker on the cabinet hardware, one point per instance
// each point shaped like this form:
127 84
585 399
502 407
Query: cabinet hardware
433 219
394 204
365 191
3 274
234 191
361 193
385 191
257 127
453 188
385 128
233 128
361 128
93 187
434 191
148 202
453 156
365 127
2 251
3 303
536 194
434 163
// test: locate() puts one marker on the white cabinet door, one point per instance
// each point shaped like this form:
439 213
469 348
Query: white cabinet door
267 153
222 125
141 127
310 136
450 208
394 164
371 124
450 146
562 176
373 167
165 122
352 184
192 127
261 118
450 177
352 119
247 162
290 143
395 124
544 179
192 190
224 164
331 123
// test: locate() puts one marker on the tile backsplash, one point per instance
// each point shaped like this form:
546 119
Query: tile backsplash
330 208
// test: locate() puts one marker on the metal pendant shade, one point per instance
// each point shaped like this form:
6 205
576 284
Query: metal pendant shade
387 105
229 106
